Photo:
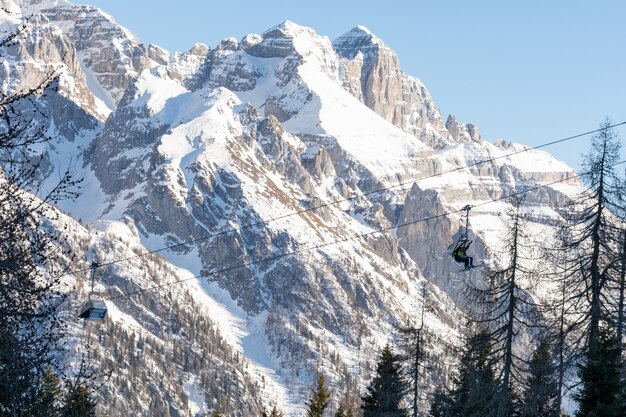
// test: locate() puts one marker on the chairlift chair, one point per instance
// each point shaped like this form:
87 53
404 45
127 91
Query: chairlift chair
93 309
463 243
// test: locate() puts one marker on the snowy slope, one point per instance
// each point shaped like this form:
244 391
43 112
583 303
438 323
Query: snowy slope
234 149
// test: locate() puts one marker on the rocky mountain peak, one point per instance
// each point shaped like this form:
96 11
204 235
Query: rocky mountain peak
288 29
361 29
462 133
110 54
228 44
250 40
29 4
358 39
290 39
199 49
371 72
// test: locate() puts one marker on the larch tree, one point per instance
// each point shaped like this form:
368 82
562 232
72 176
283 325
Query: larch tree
587 249
618 281
505 307
566 353
412 340
587 259
621 295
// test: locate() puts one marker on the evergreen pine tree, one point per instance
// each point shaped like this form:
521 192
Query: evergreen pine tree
440 405
475 390
318 402
387 389
217 412
344 410
539 398
49 396
602 392
78 401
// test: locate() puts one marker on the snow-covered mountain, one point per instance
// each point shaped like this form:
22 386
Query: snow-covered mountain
251 150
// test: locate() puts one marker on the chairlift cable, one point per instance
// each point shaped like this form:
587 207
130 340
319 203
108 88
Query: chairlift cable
352 237
339 201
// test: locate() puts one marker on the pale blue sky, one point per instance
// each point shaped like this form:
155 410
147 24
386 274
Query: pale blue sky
525 71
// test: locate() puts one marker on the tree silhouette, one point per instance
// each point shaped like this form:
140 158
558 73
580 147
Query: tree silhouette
602 392
387 389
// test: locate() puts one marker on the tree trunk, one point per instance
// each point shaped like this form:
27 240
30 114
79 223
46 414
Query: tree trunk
596 284
622 289
508 347
561 349
417 359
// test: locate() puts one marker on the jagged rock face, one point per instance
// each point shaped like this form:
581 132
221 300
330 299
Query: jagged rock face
274 44
127 129
192 67
265 154
114 64
462 133
50 56
430 242
400 99
240 66
111 54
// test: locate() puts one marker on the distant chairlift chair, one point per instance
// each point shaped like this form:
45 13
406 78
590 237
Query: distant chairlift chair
459 251
93 309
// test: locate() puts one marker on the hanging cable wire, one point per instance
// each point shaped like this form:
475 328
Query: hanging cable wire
337 202
346 239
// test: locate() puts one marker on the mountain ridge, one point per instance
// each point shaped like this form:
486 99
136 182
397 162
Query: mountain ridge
206 142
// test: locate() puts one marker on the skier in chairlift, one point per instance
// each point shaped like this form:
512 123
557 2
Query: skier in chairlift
460 254
460 248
